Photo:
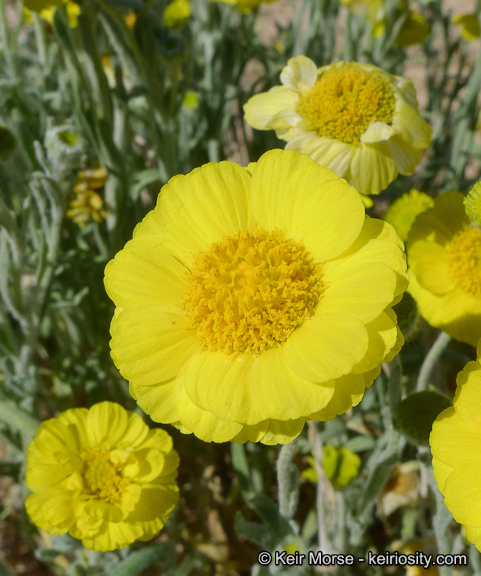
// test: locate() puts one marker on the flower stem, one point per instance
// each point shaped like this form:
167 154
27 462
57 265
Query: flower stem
285 480
431 360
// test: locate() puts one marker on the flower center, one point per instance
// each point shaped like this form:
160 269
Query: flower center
345 101
464 252
248 293
102 478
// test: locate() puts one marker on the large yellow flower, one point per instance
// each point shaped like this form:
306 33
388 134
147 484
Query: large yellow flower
444 251
102 476
455 443
352 118
253 299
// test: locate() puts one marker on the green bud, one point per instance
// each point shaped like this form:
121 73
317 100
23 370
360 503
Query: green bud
418 411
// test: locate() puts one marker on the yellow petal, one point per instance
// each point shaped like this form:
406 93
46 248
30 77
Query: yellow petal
248 389
300 74
307 202
150 344
326 347
198 209
144 272
261 108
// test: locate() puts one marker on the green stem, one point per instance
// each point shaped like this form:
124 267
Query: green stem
431 360
287 489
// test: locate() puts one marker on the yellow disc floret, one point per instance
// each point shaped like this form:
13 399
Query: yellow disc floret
249 292
101 477
345 101
464 253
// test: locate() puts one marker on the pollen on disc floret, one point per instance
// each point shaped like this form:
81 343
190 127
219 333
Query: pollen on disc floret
345 101
248 293
464 253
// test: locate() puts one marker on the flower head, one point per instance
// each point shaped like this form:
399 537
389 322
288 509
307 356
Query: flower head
470 29
455 441
88 205
252 299
444 251
402 213
102 476
177 13
352 118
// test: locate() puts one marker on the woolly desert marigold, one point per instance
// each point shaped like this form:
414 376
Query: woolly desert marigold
352 118
252 299
444 251
455 441
102 475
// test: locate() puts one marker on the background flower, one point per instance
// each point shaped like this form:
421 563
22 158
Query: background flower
102 476
353 118
253 299
444 258
455 442
402 213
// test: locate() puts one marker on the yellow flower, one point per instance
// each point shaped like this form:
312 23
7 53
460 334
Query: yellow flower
245 6
415 30
470 29
252 299
177 13
88 204
46 8
444 252
402 213
340 464
352 118
455 443
102 476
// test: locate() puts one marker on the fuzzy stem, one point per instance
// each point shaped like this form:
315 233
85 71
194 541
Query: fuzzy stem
285 484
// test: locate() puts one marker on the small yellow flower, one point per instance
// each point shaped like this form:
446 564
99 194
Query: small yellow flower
253 299
340 464
87 204
130 19
444 252
177 13
455 443
102 476
245 6
355 119
46 8
415 30
402 213
470 28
